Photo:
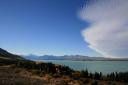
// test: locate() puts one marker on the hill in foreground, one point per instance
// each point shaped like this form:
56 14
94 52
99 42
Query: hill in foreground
8 58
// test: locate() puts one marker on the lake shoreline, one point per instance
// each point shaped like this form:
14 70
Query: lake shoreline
94 66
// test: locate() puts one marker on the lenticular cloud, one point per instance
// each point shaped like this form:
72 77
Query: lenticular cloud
108 30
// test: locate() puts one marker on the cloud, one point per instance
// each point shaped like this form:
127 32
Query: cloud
108 30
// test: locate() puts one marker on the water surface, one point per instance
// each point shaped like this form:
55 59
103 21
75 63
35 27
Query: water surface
94 66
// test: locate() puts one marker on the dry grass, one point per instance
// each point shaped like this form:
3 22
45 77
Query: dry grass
10 75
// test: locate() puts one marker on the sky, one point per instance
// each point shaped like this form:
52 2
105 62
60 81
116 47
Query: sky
42 27
64 27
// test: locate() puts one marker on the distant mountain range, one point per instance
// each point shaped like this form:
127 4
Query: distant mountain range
5 55
71 57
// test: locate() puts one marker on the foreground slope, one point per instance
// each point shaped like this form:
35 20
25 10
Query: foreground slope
6 55
8 58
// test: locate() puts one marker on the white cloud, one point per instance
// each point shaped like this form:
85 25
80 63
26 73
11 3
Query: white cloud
108 30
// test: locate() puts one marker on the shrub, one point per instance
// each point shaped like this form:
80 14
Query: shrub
94 83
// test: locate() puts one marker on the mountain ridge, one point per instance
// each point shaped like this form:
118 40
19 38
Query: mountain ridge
9 56
73 57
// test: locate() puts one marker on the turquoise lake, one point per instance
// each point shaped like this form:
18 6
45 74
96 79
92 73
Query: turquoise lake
94 66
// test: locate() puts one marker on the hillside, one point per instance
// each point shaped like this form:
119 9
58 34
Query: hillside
9 58
6 55
10 75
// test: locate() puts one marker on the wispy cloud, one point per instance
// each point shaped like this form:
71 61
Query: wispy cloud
108 30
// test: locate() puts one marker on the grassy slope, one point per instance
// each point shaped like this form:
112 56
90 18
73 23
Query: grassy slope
11 75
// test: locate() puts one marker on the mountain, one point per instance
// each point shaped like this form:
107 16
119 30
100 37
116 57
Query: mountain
72 57
31 57
50 57
5 55
45 57
65 57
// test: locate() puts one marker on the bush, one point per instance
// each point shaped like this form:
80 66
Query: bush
85 81
56 75
95 83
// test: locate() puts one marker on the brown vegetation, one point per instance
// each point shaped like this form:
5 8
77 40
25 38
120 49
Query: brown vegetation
11 75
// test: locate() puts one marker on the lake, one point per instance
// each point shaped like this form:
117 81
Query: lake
94 66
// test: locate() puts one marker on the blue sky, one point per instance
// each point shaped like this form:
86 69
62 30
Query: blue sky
43 27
